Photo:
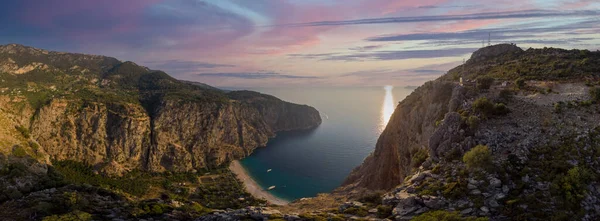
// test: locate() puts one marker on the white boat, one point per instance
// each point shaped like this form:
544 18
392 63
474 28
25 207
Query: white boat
269 170
271 187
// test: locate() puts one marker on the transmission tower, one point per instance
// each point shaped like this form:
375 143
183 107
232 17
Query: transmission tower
489 39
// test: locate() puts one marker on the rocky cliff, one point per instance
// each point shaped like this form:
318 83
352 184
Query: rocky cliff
518 140
120 116
408 131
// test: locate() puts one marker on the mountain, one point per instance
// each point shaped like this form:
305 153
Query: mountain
511 134
517 140
119 116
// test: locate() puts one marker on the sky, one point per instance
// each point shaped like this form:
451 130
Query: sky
298 43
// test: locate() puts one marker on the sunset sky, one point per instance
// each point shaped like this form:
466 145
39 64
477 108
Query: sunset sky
275 43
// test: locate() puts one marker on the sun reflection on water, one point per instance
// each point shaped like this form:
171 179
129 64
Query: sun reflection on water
388 107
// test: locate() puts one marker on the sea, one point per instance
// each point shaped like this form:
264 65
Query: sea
304 163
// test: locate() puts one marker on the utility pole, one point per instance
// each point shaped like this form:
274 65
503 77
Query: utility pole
489 39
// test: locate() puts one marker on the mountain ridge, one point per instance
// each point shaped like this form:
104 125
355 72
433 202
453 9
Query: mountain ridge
101 111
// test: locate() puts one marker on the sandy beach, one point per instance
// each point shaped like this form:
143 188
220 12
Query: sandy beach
252 187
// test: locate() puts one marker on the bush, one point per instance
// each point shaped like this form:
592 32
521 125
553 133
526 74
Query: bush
19 151
574 183
484 83
473 122
501 109
23 130
442 215
419 157
595 94
520 83
558 107
373 198
359 211
483 106
72 216
478 157
505 95
384 211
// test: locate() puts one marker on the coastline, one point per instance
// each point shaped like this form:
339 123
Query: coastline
252 187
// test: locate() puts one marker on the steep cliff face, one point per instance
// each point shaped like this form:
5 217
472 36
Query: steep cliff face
525 147
408 131
420 121
119 116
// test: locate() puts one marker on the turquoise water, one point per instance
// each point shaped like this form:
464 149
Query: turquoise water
305 163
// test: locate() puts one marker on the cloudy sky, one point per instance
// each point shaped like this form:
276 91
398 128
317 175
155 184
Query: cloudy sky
274 43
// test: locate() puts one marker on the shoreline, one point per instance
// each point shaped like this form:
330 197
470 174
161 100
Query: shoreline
252 187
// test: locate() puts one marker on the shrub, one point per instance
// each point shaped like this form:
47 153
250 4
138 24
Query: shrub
520 82
558 107
442 215
478 157
500 109
384 211
373 198
19 151
484 83
505 95
419 157
595 94
473 122
74 216
483 106
23 130
574 183
359 211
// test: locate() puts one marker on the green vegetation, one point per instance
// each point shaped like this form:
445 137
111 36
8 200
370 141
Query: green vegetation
558 107
372 198
384 211
574 183
418 157
501 109
484 82
358 211
24 131
455 190
595 94
71 216
520 83
535 64
223 191
19 151
486 108
134 183
478 157
553 167
483 106
473 122
442 215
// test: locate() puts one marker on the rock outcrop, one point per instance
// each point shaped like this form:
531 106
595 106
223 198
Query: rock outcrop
494 51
